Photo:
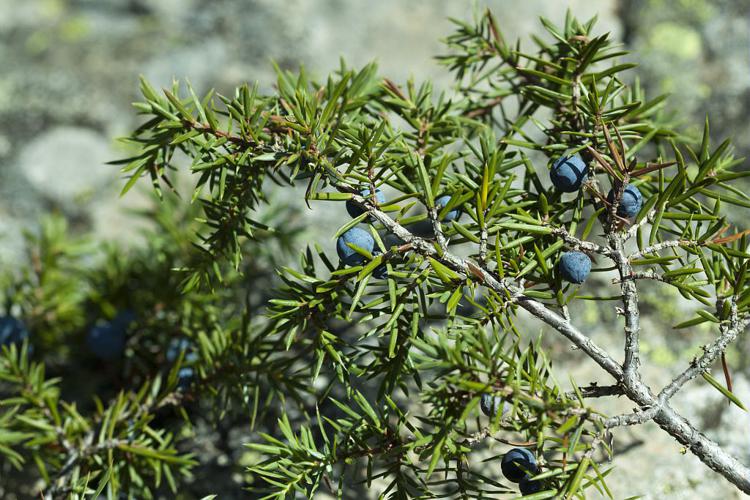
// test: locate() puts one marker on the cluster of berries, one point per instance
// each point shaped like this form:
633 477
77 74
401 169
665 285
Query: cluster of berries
106 340
519 464
363 239
568 174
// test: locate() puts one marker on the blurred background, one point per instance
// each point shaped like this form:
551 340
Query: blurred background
69 71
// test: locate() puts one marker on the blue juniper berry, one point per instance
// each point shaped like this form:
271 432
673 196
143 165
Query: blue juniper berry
491 405
12 331
575 267
528 486
185 377
630 203
568 173
356 236
517 463
107 340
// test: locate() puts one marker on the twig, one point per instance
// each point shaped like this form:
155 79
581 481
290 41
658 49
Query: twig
437 229
86 450
630 307
578 244
728 333
638 417
483 246
645 275
658 247
514 293
646 220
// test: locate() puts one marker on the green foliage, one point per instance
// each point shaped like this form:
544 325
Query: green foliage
349 380
114 446
126 426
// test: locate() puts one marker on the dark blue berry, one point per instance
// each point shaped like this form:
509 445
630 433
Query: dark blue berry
575 267
185 377
491 405
107 340
422 228
529 487
630 203
517 463
390 240
568 173
356 236
12 331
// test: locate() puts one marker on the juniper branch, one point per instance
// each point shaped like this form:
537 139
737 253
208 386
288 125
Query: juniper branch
579 244
626 375
630 308
658 247
646 275
636 418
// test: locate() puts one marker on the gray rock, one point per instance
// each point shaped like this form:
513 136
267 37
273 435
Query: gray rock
11 239
190 62
67 163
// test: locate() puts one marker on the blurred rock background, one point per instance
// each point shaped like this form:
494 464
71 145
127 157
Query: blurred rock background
69 71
